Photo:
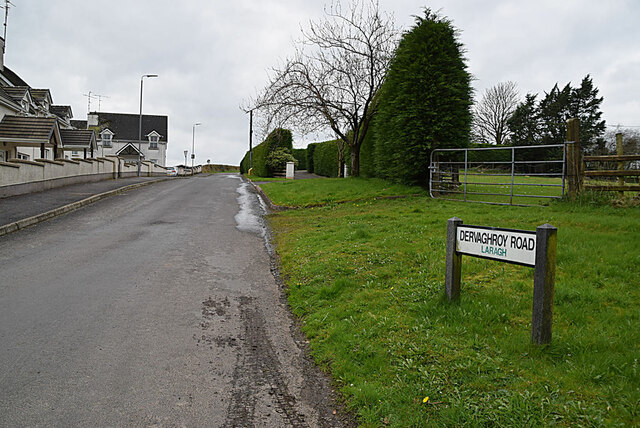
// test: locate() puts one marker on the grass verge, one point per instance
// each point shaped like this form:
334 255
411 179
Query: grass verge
366 279
307 193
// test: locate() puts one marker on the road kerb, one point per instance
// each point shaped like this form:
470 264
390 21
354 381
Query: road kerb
30 221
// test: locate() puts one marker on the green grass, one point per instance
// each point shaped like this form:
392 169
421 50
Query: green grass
255 178
367 281
321 191
501 185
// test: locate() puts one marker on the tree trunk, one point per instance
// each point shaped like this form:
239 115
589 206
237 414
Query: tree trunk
355 161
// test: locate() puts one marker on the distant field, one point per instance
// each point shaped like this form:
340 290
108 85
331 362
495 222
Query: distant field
366 279
212 168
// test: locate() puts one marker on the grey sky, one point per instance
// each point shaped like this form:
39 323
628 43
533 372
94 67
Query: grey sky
213 54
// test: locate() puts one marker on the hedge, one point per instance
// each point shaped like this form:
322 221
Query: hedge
310 152
301 157
325 158
279 137
367 153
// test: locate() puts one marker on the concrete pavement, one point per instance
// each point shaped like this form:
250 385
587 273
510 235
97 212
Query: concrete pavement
18 212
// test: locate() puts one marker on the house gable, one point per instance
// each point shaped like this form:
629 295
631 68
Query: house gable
129 150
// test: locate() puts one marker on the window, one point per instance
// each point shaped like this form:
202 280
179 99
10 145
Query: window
154 160
23 156
106 138
153 141
74 153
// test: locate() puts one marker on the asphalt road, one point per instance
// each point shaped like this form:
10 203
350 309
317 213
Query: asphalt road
156 307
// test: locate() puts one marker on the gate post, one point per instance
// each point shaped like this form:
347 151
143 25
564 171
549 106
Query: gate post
620 152
544 278
574 159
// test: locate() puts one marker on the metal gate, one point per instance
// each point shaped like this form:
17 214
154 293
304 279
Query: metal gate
518 175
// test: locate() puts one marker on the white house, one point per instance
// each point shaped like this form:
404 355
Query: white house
118 135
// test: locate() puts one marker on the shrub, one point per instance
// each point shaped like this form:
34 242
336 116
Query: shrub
277 159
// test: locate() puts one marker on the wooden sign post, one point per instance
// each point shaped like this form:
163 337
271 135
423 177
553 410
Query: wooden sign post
535 249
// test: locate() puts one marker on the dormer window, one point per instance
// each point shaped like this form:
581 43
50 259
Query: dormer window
106 136
154 137
25 105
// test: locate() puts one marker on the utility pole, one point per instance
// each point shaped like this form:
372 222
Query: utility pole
250 136
193 145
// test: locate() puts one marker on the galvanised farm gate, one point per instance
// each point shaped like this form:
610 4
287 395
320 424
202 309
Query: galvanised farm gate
517 175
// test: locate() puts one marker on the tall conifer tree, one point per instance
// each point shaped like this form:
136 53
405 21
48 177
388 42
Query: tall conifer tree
425 101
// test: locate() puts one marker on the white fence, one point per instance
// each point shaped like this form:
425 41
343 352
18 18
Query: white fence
21 176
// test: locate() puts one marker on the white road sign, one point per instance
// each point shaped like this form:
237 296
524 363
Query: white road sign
498 244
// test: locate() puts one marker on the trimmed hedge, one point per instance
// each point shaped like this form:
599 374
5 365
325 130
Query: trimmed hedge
279 137
301 157
367 153
310 152
325 158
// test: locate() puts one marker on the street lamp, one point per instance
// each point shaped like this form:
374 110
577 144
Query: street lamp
140 122
193 143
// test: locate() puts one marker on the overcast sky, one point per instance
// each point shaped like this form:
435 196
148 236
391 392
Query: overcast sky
213 54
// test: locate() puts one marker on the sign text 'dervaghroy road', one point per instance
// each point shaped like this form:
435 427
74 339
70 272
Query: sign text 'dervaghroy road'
523 247
507 245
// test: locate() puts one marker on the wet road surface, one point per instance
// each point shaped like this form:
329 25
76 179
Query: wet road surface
155 307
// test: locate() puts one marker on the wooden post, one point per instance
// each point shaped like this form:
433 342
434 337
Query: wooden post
620 152
574 159
453 269
544 284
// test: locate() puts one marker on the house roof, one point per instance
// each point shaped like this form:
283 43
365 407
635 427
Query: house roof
12 77
39 95
125 126
78 138
61 111
16 93
7 99
79 124
32 130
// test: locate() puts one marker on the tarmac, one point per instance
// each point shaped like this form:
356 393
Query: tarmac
18 212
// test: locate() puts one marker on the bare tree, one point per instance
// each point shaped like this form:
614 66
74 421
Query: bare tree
330 83
491 114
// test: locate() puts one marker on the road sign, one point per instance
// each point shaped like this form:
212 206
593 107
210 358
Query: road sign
536 249
505 245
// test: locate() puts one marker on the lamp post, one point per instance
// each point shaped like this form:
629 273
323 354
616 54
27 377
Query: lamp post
140 121
193 143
